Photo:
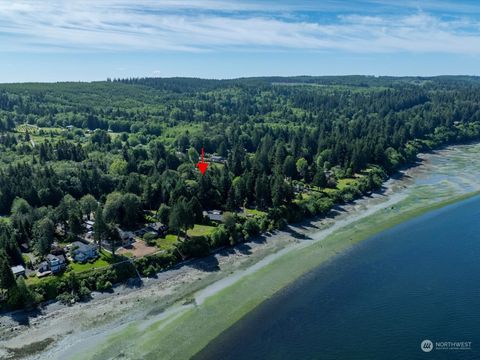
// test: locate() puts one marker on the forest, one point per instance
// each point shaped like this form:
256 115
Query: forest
122 153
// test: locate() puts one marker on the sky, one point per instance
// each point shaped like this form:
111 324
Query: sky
59 40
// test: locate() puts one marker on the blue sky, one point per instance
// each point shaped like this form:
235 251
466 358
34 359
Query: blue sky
53 40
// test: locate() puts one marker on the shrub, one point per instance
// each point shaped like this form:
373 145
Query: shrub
150 238
219 236
251 227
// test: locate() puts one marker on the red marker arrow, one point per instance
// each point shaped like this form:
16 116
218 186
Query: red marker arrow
202 165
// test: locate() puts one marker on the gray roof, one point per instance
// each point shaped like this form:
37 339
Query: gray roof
214 215
79 246
51 257
18 269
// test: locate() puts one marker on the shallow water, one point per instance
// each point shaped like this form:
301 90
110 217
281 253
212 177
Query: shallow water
416 281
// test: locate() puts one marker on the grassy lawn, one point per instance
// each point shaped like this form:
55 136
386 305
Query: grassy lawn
255 212
105 259
32 280
167 242
200 230
100 262
343 183
216 165
329 191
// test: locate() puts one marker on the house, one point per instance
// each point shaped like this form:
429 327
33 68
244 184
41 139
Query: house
69 127
214 215
56 263
217 159
158 228
81 252
43 269
127 237
18 270
89 225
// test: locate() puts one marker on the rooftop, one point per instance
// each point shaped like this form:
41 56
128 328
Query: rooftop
81 246
18 269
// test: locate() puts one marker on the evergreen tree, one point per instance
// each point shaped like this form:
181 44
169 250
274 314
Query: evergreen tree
99 226
43 233
7 279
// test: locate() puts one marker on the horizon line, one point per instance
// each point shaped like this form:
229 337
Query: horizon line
109 79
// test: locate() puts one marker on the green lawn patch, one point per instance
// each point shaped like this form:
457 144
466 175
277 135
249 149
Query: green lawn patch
200 230
167 243
255 212
100 262
104 260
343 183
32 280
329 191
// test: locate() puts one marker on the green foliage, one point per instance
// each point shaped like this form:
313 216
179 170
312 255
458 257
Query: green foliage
88 204
150 265
251 227
118 167
164 213
197 246
43 235
123 209
181 216
6 276
290 152
20 296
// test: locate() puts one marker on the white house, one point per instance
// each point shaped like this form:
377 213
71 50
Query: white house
18 270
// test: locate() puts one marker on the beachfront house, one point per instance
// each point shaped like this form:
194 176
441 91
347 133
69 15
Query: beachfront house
158 228
214 215
127 237
18 270
81 252
56 263
43 269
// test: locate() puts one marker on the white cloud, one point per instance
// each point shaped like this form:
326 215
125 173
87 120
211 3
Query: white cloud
190 26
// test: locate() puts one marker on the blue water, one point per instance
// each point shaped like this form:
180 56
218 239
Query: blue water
419 280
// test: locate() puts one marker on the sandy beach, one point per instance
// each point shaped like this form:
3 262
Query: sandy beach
59 332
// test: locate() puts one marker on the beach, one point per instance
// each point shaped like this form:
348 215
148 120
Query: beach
183 309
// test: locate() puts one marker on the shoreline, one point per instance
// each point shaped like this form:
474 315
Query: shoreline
202 281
